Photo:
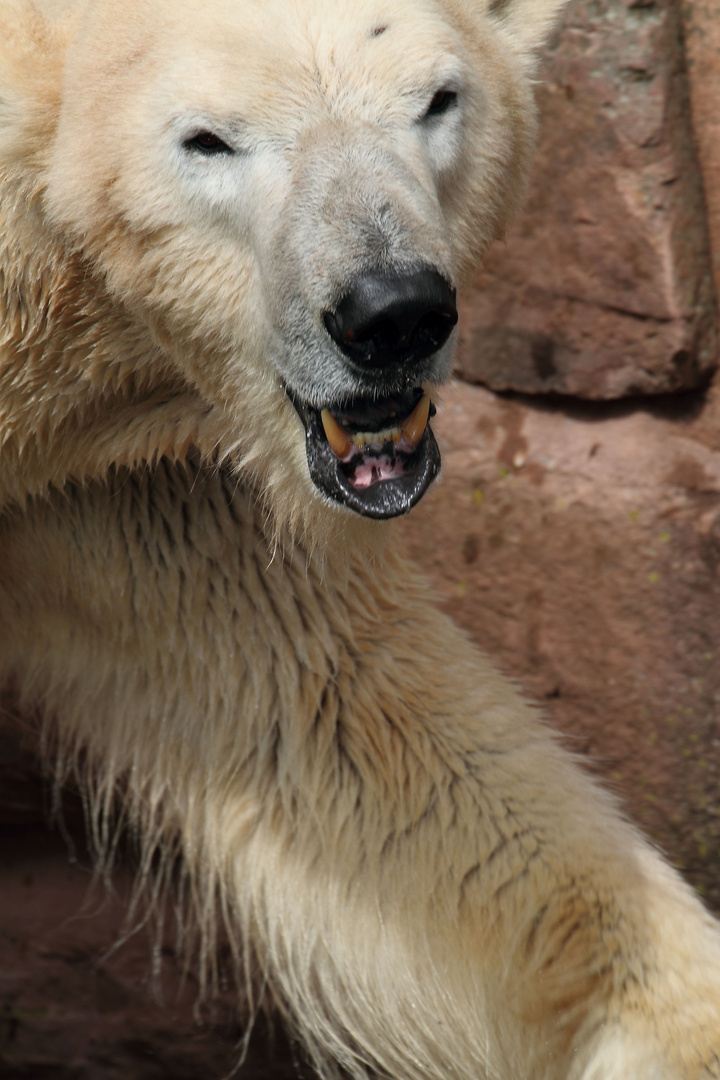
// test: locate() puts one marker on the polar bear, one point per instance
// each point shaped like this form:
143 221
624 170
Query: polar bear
232 235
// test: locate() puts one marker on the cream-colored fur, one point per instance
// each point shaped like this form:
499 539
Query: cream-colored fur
251 676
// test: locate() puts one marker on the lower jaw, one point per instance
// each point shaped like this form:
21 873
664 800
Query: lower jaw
383 499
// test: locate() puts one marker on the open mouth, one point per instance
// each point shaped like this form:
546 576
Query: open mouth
377 457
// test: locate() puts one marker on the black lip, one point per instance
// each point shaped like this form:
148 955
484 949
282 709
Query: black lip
386 499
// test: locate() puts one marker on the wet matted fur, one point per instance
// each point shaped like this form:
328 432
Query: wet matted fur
193 198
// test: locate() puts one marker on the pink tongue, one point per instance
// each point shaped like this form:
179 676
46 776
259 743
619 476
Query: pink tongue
372 470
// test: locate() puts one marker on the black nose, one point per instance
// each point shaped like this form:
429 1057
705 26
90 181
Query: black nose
393 319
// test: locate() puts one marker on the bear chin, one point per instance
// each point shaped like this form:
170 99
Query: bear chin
380 481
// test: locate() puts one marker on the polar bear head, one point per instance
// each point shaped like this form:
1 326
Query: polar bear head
287 194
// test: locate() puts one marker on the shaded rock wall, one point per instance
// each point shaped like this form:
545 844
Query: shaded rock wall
702 48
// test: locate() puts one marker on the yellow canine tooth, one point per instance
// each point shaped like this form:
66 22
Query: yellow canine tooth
340 442
413 427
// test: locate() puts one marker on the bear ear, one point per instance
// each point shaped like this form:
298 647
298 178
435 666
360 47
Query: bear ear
525 23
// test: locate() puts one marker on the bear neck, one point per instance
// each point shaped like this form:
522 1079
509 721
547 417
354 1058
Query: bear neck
83 386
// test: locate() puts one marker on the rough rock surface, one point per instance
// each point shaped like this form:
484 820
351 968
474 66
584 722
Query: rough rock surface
603 288
579 545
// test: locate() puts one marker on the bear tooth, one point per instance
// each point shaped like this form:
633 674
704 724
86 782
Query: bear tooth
376 438
414 426
340 442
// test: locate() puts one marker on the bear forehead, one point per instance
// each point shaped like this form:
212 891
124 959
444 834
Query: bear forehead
261 60
243 37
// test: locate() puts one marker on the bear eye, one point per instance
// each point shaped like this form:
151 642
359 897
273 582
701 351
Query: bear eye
206 142
442 101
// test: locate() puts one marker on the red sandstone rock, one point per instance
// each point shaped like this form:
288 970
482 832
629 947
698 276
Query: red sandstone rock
604 286
579 545
702 42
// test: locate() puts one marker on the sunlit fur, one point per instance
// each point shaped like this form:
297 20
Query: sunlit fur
252 680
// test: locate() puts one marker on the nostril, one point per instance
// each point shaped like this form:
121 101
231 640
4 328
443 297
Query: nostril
393 319
434 327
332 327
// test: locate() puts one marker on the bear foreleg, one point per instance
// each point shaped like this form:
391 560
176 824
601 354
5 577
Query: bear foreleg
427 881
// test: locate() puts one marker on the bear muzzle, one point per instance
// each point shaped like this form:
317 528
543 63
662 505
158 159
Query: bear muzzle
374 452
